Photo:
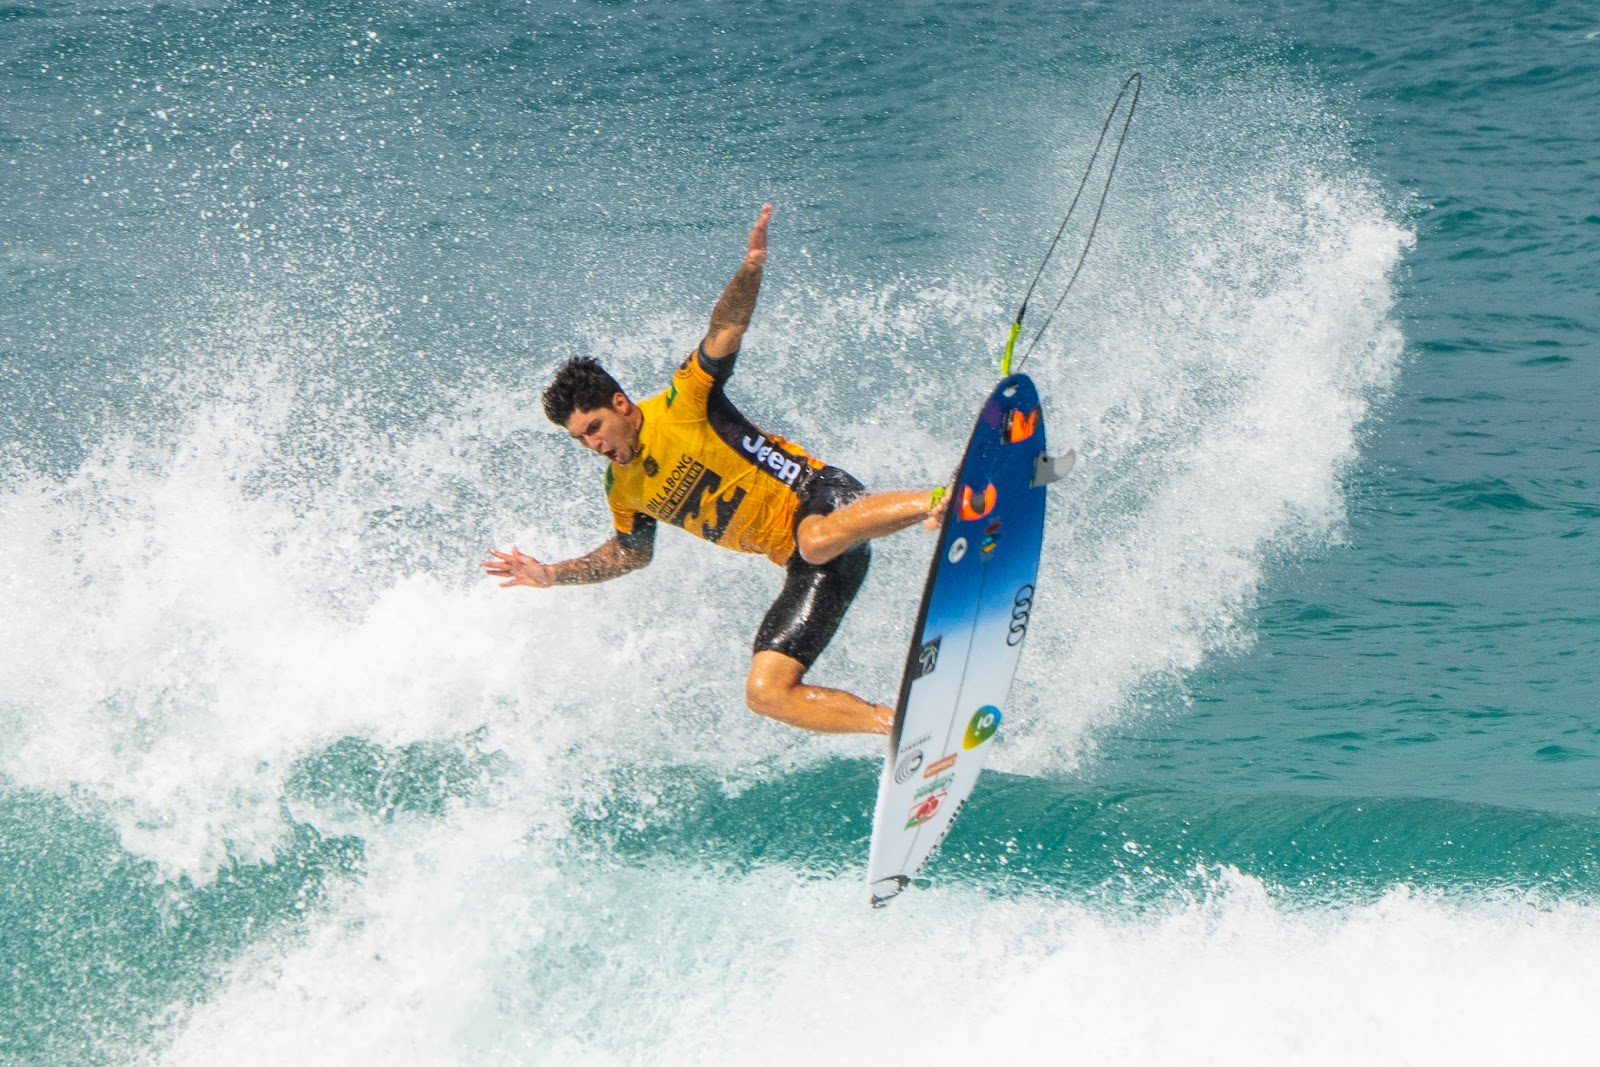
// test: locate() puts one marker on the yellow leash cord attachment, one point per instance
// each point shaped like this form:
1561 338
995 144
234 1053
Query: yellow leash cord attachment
1011 343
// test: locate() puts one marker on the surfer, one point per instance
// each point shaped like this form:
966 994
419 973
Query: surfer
688 457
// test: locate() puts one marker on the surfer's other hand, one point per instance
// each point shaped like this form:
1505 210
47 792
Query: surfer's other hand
758 237
518 568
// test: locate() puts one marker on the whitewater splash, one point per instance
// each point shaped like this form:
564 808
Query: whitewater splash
274 565
644 968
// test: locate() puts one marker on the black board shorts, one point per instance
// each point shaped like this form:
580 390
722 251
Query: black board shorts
814 597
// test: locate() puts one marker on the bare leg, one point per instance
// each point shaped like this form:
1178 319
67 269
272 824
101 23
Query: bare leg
774 689
826 537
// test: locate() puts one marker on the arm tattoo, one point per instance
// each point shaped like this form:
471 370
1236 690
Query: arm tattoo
738 301
608 561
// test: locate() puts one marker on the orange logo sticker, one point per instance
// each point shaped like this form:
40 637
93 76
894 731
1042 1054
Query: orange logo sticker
969 512
1020 427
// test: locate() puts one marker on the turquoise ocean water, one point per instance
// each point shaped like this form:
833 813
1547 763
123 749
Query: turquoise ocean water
1303 762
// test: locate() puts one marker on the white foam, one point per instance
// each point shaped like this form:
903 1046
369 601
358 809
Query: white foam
1228 349
213 601
284 563
190 621
511 964
283 560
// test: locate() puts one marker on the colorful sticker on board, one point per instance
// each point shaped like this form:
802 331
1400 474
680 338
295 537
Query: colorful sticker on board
939 766
972 510
958 548
1020 427
991 537
924 809
985 721
1021 608
928 658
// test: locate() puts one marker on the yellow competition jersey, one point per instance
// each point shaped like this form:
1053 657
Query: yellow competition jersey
704 467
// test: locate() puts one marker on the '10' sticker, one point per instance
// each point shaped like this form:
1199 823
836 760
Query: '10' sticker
985 721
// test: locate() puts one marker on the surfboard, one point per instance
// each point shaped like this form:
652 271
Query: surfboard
969 633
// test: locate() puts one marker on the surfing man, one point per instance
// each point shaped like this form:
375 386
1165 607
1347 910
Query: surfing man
687 457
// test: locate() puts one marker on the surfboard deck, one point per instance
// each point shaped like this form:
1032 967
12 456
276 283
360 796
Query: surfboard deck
968 635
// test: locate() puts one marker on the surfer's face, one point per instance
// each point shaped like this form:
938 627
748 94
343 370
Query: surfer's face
612 431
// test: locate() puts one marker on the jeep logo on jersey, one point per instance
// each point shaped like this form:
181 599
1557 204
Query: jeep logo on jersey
764 455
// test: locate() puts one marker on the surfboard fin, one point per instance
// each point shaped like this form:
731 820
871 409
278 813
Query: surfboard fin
1047 469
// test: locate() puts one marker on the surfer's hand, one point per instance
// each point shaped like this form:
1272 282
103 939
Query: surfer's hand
758 237
519 569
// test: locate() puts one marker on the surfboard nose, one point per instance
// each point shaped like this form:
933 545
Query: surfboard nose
886 889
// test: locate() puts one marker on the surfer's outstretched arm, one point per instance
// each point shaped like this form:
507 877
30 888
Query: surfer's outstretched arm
610 560
731 317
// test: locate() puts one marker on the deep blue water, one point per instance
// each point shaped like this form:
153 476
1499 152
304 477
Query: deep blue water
1306 731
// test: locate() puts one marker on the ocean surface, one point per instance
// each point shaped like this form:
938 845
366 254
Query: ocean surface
1302 765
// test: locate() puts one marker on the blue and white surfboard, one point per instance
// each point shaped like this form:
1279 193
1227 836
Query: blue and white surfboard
968 636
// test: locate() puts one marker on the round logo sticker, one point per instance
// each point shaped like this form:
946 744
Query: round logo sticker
924 809
985 721
958 548
910 764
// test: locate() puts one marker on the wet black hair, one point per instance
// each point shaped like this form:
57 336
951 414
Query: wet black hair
581 384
